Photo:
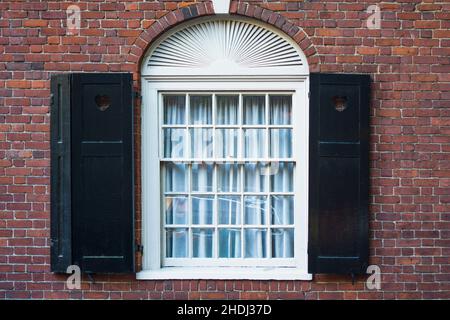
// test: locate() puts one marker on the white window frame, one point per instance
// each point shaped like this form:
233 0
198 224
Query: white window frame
151 87
225 262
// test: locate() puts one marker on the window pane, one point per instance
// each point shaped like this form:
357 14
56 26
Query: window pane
282 209
177 243
254 111
229 209
227 109
255 243
201 109
255 210
174 143
201 143
202 243
202 177
229 243
283 243
282 177
280 109
202 210
176 210
254 143
254 177
280 143
228 178
227 143
175 177
174 109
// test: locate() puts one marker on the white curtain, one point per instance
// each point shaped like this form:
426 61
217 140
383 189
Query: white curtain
202 242
174 110
201 138
226 143
202 177
227 110
254 177
280 139
202 214
227 114
230 243
202 174
255 243
200 110
254 114
174 143
255 210
282 210
176 210
175 177
283 243
229 179
229 213
175 114
229 210
282 176
280 110
280 143
254 110
202 209
254 214
254 143
177 243
201 143
282 207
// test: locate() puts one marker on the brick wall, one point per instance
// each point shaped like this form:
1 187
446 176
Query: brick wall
408 59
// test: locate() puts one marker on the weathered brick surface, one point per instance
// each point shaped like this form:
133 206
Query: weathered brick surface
408 59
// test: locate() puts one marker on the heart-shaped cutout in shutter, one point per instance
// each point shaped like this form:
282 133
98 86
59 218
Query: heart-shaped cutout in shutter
103 102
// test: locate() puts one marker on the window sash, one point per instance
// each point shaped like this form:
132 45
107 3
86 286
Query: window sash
187 126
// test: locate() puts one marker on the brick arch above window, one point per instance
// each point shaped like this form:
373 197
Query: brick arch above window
173 18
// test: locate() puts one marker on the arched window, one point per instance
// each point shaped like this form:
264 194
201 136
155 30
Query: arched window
225 153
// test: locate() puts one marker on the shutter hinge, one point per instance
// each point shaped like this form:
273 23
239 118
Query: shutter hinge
140 248
52 99
309 94
137 95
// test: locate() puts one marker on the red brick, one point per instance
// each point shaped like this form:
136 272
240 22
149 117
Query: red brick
23 84
410 175
404 51
35 23
427 24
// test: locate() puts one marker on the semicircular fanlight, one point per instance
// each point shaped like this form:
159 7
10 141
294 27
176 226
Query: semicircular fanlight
236 43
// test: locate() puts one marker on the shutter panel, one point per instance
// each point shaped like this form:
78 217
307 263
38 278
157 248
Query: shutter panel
60 184
102 172
339 173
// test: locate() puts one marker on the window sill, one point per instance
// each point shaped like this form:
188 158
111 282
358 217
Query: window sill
223 273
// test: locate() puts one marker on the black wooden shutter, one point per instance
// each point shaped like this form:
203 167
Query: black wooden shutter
60 183
101 173
339 173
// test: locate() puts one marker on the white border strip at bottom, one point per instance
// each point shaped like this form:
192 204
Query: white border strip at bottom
223 273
